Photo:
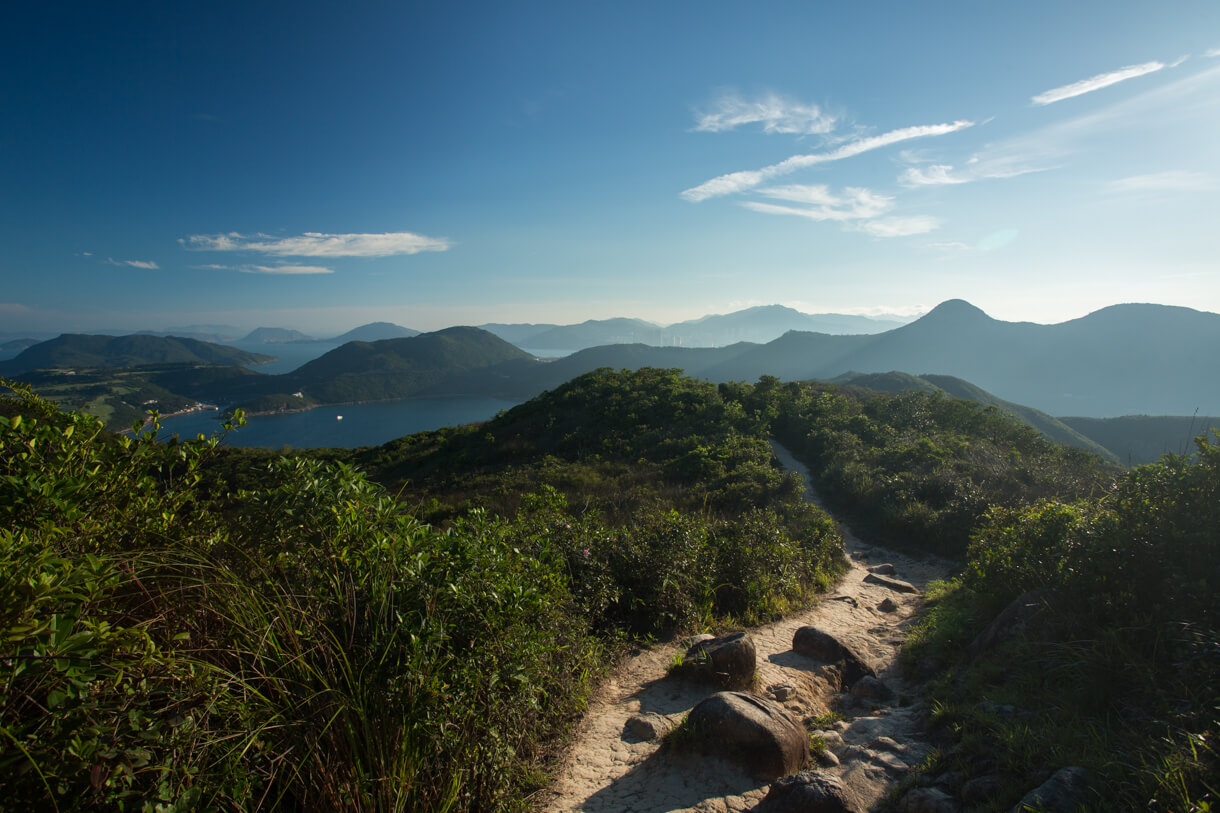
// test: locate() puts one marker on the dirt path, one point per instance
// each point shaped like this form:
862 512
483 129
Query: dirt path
610 770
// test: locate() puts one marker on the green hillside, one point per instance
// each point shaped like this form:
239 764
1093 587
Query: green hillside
1137 439
210 628
73 350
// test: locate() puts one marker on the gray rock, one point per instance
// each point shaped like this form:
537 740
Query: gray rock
650 726
887 744
888 606
727 661
1012 621
814 643
870 688
826 758
834 741
1062 793
780 691
928 800
981 788
886 569
897 585
809 792
756 733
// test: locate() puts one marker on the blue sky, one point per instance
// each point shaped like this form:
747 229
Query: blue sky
319 166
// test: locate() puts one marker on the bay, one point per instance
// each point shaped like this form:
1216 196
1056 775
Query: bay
361 424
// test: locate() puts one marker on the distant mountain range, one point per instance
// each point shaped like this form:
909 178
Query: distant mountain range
1122 360
759 324
274 335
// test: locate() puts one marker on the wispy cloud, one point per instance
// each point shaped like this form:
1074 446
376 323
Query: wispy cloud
974 170
145 264
315 244
268 269
13 308
858 209
775 113
1101 80
820 203
735 182
898 226
1212 52
1174 180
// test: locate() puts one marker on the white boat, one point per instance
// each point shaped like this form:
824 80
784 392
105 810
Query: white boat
338 417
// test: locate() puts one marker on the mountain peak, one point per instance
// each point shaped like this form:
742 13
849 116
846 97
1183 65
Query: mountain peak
957 309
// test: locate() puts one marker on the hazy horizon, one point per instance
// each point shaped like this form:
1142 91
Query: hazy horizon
466 163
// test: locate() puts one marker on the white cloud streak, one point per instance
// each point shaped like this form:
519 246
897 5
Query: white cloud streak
268 269
1212 52
975 170
735 182
147 265
855 203
1174 180
775 113
858 209
1102 80
898 226
315 244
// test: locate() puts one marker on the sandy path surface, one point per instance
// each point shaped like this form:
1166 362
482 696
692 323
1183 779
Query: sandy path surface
610 770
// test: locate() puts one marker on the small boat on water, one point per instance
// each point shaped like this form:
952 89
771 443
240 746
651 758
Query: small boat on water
338 417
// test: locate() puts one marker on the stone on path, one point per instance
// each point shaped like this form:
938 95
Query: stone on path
650 726
1062 793
809 792
870 688
822 646
897 585
888 605
727 661
756 733
886 569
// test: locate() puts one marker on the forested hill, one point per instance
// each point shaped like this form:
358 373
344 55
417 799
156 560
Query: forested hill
1051 427
80 350
254 625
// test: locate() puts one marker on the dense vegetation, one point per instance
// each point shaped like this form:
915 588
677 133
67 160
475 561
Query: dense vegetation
919 468
173 639
1121 671
186 624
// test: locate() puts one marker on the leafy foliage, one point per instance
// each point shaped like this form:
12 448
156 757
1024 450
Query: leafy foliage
918 467
1125 669
186 627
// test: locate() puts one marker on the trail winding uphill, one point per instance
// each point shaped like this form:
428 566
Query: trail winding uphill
612 770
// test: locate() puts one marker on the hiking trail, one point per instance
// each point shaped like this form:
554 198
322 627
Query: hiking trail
610 770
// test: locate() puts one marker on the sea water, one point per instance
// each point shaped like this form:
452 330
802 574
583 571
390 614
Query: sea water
347 426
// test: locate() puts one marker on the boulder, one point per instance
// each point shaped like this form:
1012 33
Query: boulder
1012 621
982 789
886 569
754 732
888 605
1062 793
822 646
650 726
727 661
870 688
809 792
928 800
897 585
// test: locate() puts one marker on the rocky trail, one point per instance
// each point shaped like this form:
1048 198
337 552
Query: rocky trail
618 763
